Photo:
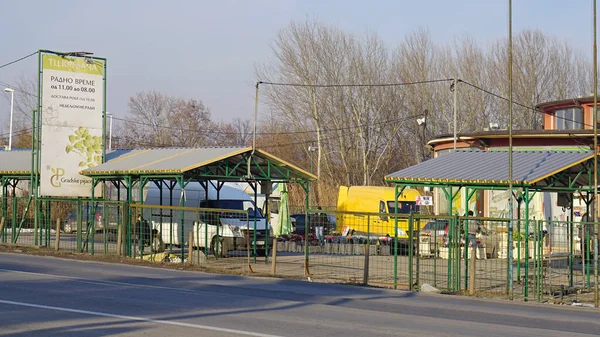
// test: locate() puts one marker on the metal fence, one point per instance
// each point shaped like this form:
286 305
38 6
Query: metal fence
462 255
62 224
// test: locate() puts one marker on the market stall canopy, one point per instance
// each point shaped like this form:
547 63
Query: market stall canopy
541 169
222 163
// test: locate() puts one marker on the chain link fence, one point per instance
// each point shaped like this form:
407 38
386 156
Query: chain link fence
538 260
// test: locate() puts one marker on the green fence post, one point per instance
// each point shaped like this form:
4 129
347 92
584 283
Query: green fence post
465 254
205 224
457 267
519 241
571 252
79 229
451 225
35 221
49 226
508 257
105 224
395 236
417 246
410 252
15 205
435 254
396 248
306 229
40 233
4 209
596 300
367 252
587 259
536 241
540 265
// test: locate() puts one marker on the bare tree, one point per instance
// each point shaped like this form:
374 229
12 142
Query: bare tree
352 127
155 119
25 101
189 122
544 69
237 133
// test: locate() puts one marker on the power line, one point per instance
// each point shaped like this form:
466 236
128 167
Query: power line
15 132
15 88
18 60
325 130
521 105
413 83
319 86
21 91
352 85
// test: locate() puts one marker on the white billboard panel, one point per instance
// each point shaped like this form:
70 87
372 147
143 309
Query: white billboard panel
72 106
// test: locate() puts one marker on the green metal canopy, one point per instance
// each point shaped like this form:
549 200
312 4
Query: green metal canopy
222 163
538 169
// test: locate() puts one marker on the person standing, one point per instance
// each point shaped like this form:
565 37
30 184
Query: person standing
320 223
143 230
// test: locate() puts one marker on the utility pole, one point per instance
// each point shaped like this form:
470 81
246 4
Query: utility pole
510 158
455 92
595 205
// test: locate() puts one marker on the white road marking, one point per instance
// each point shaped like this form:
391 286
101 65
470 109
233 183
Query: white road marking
140 319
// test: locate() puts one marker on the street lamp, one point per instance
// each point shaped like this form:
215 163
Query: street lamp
12 100
312 149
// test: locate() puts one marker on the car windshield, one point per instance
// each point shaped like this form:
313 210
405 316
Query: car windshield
404 207
243 205
435 225
299 219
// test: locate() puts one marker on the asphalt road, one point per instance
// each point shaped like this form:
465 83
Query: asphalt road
45 296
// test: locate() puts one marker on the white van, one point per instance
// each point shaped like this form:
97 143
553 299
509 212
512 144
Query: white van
273 206
232 230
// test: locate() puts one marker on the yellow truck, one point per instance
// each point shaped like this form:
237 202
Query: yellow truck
365 209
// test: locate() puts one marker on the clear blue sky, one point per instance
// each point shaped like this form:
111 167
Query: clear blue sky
207 49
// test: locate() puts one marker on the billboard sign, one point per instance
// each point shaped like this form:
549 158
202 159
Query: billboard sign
72 106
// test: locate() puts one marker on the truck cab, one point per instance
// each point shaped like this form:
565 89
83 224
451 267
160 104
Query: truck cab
206 215
367 210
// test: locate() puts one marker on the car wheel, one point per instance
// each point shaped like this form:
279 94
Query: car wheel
224 248
68 228
213 246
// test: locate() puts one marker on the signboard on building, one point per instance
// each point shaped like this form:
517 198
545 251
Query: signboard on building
72 106
424 200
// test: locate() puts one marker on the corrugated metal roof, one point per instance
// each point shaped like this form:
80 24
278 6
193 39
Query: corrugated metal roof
491 167
15 162
163 160
157 161
181 160
18 162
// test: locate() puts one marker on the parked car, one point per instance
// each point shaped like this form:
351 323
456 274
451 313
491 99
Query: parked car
102 217
436 228
299 223
435 231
